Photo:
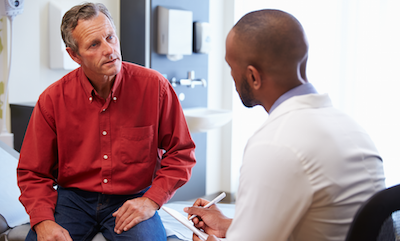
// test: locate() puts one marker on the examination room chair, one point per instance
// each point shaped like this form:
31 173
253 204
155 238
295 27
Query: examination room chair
378 218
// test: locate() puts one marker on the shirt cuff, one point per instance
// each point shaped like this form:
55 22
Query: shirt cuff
158 195
40 214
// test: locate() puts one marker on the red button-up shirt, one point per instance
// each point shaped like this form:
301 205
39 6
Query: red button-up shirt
136 138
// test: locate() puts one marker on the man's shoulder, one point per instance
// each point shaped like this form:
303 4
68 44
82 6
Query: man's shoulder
142 73
69 80
135 69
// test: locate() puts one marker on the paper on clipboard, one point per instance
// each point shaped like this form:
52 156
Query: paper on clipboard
182 219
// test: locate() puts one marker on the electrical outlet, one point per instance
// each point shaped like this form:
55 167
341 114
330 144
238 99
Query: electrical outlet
11 8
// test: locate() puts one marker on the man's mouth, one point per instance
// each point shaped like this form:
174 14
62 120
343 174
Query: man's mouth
111 61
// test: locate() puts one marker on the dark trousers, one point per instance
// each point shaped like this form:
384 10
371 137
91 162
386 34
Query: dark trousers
84 214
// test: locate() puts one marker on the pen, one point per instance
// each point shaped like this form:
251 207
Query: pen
214 201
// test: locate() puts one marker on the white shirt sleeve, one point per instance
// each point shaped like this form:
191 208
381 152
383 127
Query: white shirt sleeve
274 193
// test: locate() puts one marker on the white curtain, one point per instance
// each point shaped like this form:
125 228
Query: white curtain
354 57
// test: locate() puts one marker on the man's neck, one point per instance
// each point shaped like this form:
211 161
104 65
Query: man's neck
103 85
302 89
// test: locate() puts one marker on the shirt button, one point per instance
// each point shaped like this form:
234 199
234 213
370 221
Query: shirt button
104 110
115 98
105 180
105 157
104 133
90 98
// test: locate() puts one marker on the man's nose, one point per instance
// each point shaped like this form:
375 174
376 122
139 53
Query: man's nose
107 48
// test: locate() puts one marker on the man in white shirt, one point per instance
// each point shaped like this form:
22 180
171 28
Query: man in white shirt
309 167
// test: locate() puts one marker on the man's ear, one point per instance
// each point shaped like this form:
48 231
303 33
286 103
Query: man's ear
75 57
253 77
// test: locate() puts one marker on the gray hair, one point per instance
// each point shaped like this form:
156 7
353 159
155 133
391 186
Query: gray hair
70 20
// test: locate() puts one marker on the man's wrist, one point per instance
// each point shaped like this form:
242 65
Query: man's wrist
153 204
41 223
226 224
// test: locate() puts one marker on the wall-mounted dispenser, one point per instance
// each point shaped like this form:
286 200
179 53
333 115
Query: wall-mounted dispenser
175 32
202 37
59 57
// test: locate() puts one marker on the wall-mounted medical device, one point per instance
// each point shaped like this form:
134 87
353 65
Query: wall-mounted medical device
175 32
202 37
11 8
59 57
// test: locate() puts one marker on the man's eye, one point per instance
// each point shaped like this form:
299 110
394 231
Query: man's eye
93 45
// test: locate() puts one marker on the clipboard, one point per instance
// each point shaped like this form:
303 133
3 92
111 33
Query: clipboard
182 219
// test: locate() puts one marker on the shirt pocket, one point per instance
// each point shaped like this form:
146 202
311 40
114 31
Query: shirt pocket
136 144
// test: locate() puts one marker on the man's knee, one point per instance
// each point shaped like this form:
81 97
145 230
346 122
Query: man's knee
151 229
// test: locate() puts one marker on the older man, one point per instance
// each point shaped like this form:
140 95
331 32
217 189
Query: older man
111 135
309 167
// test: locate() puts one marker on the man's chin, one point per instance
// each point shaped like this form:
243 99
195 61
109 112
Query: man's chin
249 104
113 69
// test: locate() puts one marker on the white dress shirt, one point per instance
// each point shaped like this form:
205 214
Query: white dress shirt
305 173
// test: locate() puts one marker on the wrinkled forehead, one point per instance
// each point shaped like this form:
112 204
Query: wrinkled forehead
92 29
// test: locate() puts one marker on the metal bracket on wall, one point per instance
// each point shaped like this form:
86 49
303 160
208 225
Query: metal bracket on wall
191 81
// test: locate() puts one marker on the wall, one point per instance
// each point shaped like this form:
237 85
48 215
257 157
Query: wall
194 97
3 66
219 166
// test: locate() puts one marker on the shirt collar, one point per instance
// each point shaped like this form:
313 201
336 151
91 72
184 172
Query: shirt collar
303 89
87 86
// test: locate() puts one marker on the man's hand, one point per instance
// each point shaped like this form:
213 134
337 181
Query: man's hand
211 219
49 230
133 212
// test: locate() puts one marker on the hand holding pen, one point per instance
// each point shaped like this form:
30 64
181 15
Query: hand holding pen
210 218
214 201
